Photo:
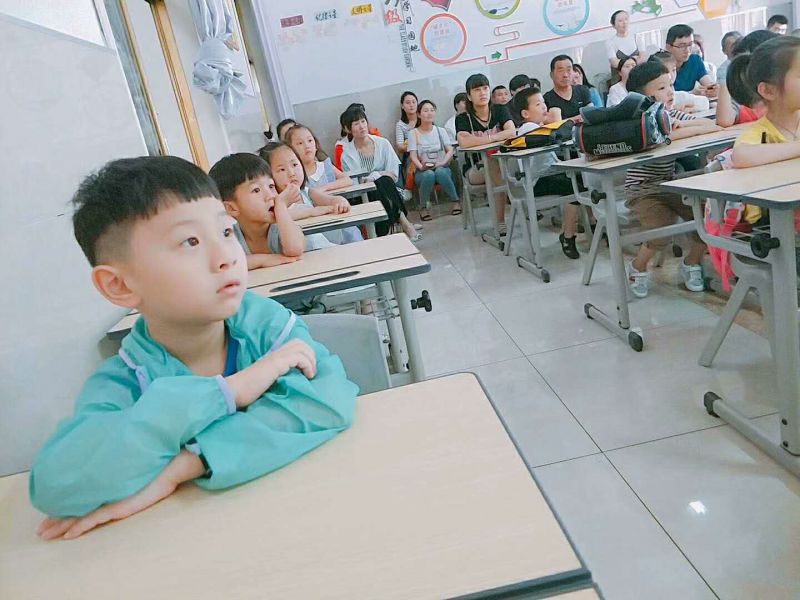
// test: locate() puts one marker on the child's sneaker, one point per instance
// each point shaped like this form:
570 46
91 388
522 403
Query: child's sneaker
568 247
502 229
692 277
639 281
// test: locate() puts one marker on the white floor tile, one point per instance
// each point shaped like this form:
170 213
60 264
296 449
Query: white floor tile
629 555
555 318
461 339
447 288
541 425
732 510
624 398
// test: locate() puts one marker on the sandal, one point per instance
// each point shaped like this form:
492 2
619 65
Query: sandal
456 210
425 216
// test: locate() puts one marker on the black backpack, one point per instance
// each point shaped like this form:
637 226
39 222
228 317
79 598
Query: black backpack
637 123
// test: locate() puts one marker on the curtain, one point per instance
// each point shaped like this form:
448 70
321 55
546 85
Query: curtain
213 71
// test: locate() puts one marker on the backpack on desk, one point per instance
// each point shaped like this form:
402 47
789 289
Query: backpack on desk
637 123
546 135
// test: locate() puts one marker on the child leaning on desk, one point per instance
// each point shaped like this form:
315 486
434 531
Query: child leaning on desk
772 72
653 207
529 104
213 384
264 226
287 170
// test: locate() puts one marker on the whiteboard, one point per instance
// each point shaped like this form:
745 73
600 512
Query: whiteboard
334 47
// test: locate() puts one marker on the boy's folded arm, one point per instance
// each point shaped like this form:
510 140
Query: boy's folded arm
753 155
116 444
294 416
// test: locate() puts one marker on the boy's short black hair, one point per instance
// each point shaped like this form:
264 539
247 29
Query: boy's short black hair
559 58
777 20
355 112
644 73
110 201
283 124
752 41
519 81
662 56
520 100
681 30
498 87
459 97
235 169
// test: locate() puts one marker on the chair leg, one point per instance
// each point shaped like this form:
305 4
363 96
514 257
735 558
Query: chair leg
765 298
724 324
588 269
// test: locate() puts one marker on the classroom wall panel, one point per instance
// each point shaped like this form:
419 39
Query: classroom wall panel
66 111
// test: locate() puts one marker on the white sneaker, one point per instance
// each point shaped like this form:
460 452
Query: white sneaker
692 277
406 194
639 281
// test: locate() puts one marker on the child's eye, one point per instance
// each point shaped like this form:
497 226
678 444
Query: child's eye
227 232
256 190
192 241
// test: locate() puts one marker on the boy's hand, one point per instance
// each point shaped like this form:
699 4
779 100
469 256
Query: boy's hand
273 260
249 384
341 206
290 195
184 467
322 210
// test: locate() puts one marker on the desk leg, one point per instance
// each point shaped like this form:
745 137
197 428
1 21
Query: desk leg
395 334
622 326
530 230
494 239
371 231
415 362
786 355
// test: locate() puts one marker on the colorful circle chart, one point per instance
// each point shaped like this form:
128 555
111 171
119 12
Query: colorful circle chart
497 9
443 38
566 17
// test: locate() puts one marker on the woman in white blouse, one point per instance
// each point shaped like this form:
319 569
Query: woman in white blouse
618 91
623 44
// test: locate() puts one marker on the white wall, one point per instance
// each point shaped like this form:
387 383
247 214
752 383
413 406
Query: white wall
66 111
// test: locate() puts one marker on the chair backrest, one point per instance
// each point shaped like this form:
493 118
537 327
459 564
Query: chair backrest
356 340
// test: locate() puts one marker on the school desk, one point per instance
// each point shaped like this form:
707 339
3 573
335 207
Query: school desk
385 261
491 189
367 213
606 169
357 174
358 190
425 496
776 187
518 170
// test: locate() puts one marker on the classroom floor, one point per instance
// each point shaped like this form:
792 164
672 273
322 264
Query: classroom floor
661 499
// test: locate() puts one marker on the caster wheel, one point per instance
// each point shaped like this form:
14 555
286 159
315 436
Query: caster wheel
708 401
677 251
586 308
545 276
635 341
519 264
424 301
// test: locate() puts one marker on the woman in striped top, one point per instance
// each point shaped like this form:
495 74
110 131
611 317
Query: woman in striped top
366 152
653 207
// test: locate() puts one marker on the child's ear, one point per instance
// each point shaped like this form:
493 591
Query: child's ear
231 207
767 91
110 282
524 113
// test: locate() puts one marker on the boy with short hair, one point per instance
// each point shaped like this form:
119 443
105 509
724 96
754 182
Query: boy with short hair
500 95
653 207
213 384
778 24
264 224
530 106
519 83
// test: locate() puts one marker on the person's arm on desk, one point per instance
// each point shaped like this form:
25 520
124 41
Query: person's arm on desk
293 241
301 411
692 127
754 155
260 261
338 204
